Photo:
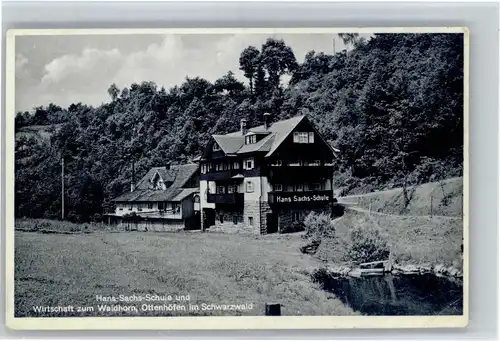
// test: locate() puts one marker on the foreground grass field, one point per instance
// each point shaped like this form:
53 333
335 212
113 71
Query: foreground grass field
71 269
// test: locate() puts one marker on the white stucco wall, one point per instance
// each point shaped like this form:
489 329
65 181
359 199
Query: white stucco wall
204 185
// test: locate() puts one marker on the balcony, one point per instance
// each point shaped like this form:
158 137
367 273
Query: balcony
297 173
303 199
226 198
220 175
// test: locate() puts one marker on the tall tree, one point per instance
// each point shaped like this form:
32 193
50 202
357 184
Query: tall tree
277 59
113 91
249 63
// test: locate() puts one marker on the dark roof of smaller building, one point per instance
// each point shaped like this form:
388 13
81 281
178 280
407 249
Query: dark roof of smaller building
177 175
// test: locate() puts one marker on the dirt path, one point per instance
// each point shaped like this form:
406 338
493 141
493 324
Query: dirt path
359 209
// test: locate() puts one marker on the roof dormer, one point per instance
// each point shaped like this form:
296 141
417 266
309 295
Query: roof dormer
250 138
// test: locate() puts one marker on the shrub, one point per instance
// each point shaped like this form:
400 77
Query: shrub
338 210
296 226
367 244
319 225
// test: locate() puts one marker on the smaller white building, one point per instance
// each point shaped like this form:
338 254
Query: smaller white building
166 198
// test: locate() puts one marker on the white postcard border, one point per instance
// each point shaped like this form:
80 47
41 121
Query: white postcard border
209 322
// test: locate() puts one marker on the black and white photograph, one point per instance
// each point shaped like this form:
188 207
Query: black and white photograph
239 173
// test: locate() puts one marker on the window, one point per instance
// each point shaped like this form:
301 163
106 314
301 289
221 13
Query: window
328 163
130 207
215 147
277 163
250 221
303 137
225 166
236 165
277 187
294 163
296 216
250 139
249 186
160 206
299 187
315 186
232 189
150 205
219 167
205 168
249 163
221 189
311 137
314 163
235 219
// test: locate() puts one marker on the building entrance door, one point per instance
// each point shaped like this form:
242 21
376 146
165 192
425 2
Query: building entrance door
208 218
272 222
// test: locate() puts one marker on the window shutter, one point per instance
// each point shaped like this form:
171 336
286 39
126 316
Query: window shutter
311 137
296 137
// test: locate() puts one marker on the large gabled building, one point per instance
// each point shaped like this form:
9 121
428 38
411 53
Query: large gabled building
264 178
166 198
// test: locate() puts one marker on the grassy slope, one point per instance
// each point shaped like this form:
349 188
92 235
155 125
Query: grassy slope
62 269
391 201
420 240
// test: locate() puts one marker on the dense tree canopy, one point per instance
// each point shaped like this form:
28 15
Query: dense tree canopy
393 105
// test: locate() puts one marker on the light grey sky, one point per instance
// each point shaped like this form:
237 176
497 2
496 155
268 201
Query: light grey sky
72 69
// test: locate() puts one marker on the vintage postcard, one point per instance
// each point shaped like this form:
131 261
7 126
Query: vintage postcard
237 178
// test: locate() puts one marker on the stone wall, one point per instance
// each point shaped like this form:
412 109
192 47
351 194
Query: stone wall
154 225
251 209
264 210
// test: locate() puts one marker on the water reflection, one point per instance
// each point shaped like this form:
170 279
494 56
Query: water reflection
398 295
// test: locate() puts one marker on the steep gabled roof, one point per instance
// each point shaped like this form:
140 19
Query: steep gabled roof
170 194
229 144
234 143
178 175
183 173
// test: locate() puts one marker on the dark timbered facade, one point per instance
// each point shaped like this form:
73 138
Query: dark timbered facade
266 177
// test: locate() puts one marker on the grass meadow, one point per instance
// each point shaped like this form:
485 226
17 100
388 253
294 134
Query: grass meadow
71 269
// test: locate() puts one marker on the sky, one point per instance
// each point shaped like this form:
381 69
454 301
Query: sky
71 69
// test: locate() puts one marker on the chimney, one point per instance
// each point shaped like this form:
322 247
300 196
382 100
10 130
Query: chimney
243 126
267 119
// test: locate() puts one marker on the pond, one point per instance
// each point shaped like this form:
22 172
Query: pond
398 294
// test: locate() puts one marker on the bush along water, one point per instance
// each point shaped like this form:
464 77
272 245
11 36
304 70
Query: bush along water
367 244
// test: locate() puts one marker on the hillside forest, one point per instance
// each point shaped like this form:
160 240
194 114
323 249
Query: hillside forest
392 105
